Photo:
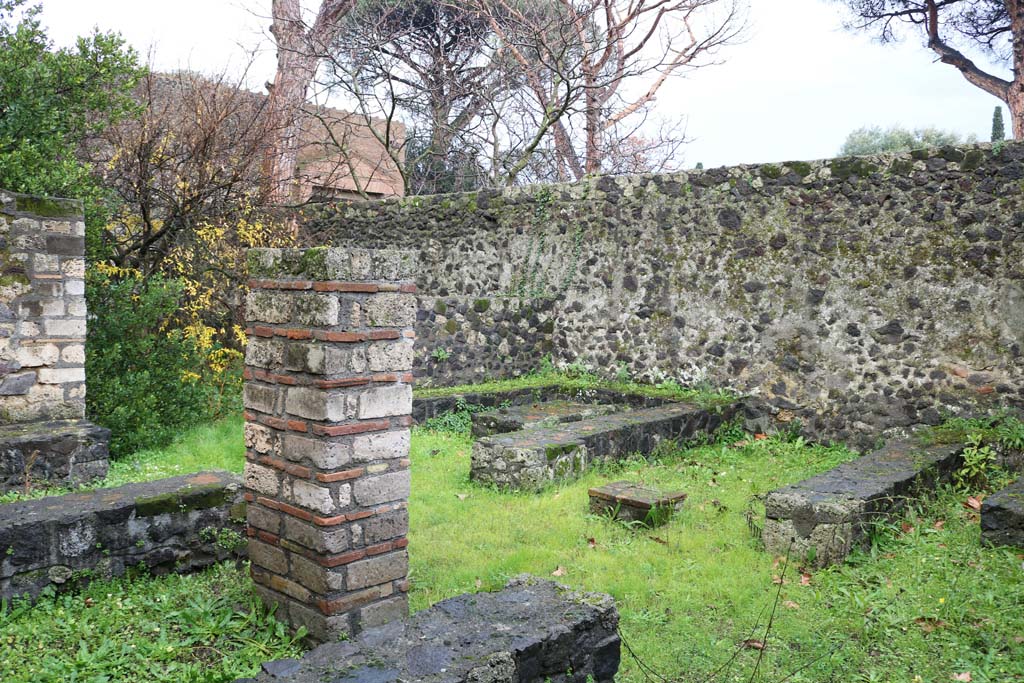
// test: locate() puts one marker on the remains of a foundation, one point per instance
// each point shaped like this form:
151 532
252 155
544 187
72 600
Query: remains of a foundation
328 400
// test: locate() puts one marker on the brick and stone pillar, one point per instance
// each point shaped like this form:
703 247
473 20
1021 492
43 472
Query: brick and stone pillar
328 403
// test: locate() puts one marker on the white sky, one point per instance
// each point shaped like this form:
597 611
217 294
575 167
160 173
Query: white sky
793 90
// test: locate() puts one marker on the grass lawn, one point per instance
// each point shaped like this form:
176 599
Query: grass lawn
698 598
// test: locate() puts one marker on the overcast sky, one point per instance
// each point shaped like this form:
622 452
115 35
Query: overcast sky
793 90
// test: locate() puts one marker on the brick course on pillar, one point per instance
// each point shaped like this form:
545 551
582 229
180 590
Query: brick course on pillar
328 401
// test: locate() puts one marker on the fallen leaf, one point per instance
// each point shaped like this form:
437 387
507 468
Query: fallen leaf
658 540
479 583
789 604
973 503
906 527
462 496
592 542
965 676
740 444
939 524
760 437
559 572
753 644
805 579
776 579
1018 639
928 624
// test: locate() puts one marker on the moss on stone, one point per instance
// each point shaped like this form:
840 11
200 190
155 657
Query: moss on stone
972 160
771 171
161 503
49 207
440 307
202 497
801 168
481 305
312 263
848 167
451 327
901 167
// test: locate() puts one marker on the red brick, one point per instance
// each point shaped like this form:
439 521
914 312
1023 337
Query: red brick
267 502
275 422
409 334
407 289
282 379
340 476
345 558
262 331
358 287
377 335
343 337
351 428
356 516
268 537
292 333
247 373
380 548
404 585
338 383
351 601
330 521
400 543
295 512
297 426
385 377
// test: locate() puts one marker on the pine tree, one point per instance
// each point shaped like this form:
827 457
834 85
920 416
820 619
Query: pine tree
998 131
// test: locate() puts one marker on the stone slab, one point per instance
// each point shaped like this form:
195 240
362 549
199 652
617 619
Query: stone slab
822 519
168 525
631 502
1002 516
531 459
532 631
536 414
62 452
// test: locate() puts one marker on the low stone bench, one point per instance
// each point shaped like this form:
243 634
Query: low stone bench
631 502
530 459
531 632
822 519
1002 516
168 525
55 453
546 414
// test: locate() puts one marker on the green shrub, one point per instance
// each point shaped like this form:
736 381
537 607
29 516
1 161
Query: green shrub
147 380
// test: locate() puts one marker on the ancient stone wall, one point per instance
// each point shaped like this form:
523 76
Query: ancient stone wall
856 295
177 524
328 398
42 308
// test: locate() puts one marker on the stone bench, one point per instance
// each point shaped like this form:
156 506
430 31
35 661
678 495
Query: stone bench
533 458
822 519
1002 516
168 525
629 502
545 414
531 632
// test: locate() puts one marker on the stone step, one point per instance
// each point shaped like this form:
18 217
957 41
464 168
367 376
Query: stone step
531 459
629 502
534 415
530 632
822 519
1002 516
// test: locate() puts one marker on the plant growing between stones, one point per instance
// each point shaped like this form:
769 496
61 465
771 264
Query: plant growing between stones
440 354
979 461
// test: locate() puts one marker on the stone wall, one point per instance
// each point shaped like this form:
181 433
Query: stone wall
42 308
460 339
176 524
858 295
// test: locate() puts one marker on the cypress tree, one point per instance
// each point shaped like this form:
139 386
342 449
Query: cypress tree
998 131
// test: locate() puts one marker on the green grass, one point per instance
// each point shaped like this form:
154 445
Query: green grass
579 380
926 602
211 447
182 628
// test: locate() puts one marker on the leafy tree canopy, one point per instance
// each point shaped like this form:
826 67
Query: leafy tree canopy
51 100
876 140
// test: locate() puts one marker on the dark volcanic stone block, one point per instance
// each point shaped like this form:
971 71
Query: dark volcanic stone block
630 502
532 458
172 524
823 518
530 632
1002 516
540 414
62 452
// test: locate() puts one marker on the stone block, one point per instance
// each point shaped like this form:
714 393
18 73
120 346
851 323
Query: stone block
1002 516
320 453
332 540
382 488
377 570
262 480
261 397
385 526
319 404
314 497
268 307
264 353
304 358
61 375
390 356
315 310
64 328
267 556
630 502
390 310
261 438
341 360
385 401
386 611
381 446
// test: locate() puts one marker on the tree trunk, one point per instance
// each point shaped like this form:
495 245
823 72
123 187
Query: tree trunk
1015 92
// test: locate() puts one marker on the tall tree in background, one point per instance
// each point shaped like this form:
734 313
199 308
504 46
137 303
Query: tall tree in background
300 46
998 129
994 26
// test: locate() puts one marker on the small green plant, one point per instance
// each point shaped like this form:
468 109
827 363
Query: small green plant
440 354
457 421
979 461
224 538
